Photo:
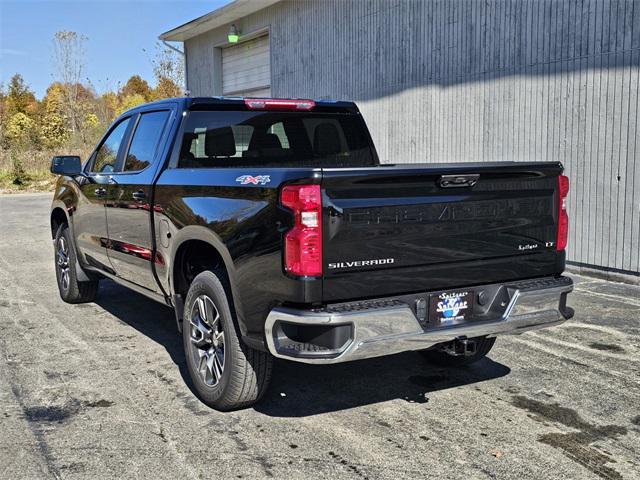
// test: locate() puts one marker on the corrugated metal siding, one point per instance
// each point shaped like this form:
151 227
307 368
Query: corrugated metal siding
443 81
246 67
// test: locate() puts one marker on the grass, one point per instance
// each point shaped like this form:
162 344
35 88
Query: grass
28 170
32 181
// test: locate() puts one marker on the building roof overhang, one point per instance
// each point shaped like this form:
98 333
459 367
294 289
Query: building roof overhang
222 16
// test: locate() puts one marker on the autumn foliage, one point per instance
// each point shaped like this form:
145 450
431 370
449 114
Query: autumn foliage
72 116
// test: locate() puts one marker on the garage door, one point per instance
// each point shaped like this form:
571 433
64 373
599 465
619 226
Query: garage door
246 68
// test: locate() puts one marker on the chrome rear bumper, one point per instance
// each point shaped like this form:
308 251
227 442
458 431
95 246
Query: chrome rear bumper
390 327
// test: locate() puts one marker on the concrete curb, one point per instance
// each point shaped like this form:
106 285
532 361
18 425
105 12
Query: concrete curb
26 194
604 274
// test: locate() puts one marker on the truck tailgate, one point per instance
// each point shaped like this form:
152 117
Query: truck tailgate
406 228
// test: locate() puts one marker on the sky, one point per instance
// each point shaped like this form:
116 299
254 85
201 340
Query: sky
117 32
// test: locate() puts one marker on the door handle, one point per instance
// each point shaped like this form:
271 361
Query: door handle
139 196
100 192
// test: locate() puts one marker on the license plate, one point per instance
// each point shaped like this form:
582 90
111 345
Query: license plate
451 307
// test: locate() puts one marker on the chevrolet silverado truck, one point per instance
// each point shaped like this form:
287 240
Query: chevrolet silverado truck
273 230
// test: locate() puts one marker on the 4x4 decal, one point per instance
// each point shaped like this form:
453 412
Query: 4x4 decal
250 179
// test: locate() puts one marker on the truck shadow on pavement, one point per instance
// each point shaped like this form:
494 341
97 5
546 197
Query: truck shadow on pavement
299 390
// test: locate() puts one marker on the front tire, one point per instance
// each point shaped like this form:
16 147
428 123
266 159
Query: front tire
71 290
226 374
443 359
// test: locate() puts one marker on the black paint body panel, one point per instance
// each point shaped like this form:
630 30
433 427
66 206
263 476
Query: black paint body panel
247 222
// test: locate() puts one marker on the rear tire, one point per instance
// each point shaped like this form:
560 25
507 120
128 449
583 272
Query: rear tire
71 290
438 357
226 374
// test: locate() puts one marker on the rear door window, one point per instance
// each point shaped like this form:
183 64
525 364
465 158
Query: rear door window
214 139
145 141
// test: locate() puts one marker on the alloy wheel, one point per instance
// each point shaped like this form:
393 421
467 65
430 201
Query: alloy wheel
207 340
62 257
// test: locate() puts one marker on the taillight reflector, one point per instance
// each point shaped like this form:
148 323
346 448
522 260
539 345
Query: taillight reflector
278 104
563 217
303 243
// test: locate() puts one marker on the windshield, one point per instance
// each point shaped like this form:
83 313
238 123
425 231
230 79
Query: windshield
214 139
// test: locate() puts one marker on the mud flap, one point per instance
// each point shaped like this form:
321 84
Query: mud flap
178 309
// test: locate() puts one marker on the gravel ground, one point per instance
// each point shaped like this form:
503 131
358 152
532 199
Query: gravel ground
100 390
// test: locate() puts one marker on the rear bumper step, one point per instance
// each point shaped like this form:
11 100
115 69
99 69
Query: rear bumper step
353 331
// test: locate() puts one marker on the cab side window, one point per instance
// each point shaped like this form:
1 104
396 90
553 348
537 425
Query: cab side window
145 140
107 155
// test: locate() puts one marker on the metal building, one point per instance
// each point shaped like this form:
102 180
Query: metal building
455 80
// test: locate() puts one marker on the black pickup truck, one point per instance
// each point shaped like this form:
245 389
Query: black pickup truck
272 230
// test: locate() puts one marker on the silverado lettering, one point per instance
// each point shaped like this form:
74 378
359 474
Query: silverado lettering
361 263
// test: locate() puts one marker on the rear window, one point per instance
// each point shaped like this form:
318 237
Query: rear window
274 139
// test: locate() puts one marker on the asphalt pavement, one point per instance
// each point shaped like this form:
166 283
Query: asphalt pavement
101 391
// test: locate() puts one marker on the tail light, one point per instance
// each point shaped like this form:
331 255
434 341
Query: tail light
563 217
303 243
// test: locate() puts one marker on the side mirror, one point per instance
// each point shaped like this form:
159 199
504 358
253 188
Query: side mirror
66 165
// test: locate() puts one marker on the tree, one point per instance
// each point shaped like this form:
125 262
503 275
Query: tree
20 128
69 60
168 69
166 88
136 85
3 112
130 102
54 128
19 131
107 107
19 99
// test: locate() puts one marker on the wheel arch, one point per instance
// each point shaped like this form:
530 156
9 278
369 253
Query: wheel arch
58 217
203 249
